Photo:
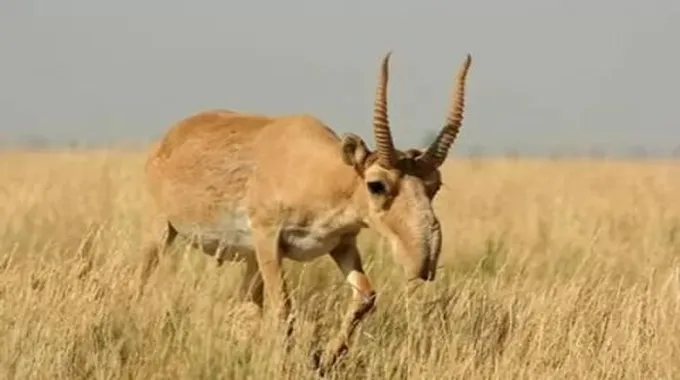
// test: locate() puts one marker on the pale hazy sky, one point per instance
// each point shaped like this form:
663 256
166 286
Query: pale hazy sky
546 73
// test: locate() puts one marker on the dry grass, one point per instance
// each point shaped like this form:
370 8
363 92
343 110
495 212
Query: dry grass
553 270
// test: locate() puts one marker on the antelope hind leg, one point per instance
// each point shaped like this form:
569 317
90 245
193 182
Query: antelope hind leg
252 286
161 236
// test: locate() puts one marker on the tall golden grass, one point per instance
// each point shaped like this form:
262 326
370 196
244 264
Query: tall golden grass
551 270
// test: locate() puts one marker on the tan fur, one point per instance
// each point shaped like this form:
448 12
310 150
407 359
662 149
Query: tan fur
262 188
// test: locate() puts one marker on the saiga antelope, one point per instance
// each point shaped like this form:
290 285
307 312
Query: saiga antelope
262 188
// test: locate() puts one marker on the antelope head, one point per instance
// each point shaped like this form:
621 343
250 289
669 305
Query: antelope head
397 187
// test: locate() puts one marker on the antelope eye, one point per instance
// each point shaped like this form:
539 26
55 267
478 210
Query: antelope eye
376 187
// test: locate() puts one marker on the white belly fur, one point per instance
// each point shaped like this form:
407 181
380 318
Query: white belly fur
304 244
233 236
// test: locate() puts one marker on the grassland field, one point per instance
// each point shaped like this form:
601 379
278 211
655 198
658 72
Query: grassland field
551 269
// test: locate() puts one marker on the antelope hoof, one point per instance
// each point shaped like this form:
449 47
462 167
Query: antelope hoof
324 361
315 359
319 364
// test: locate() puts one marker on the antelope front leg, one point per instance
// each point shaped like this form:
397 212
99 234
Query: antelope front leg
346 256
268 255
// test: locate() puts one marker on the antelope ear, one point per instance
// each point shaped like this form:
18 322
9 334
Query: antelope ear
354 150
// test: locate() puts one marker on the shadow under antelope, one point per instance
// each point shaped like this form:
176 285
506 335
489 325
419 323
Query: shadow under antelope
259 188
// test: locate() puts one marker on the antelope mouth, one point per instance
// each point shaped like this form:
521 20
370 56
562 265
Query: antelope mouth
428 271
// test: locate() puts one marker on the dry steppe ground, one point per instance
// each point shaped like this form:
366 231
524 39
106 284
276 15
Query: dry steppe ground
551 270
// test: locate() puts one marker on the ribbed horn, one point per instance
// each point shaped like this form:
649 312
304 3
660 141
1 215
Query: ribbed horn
437 152
381 124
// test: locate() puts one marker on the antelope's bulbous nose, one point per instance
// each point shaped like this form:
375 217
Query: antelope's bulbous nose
426 269
429 271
